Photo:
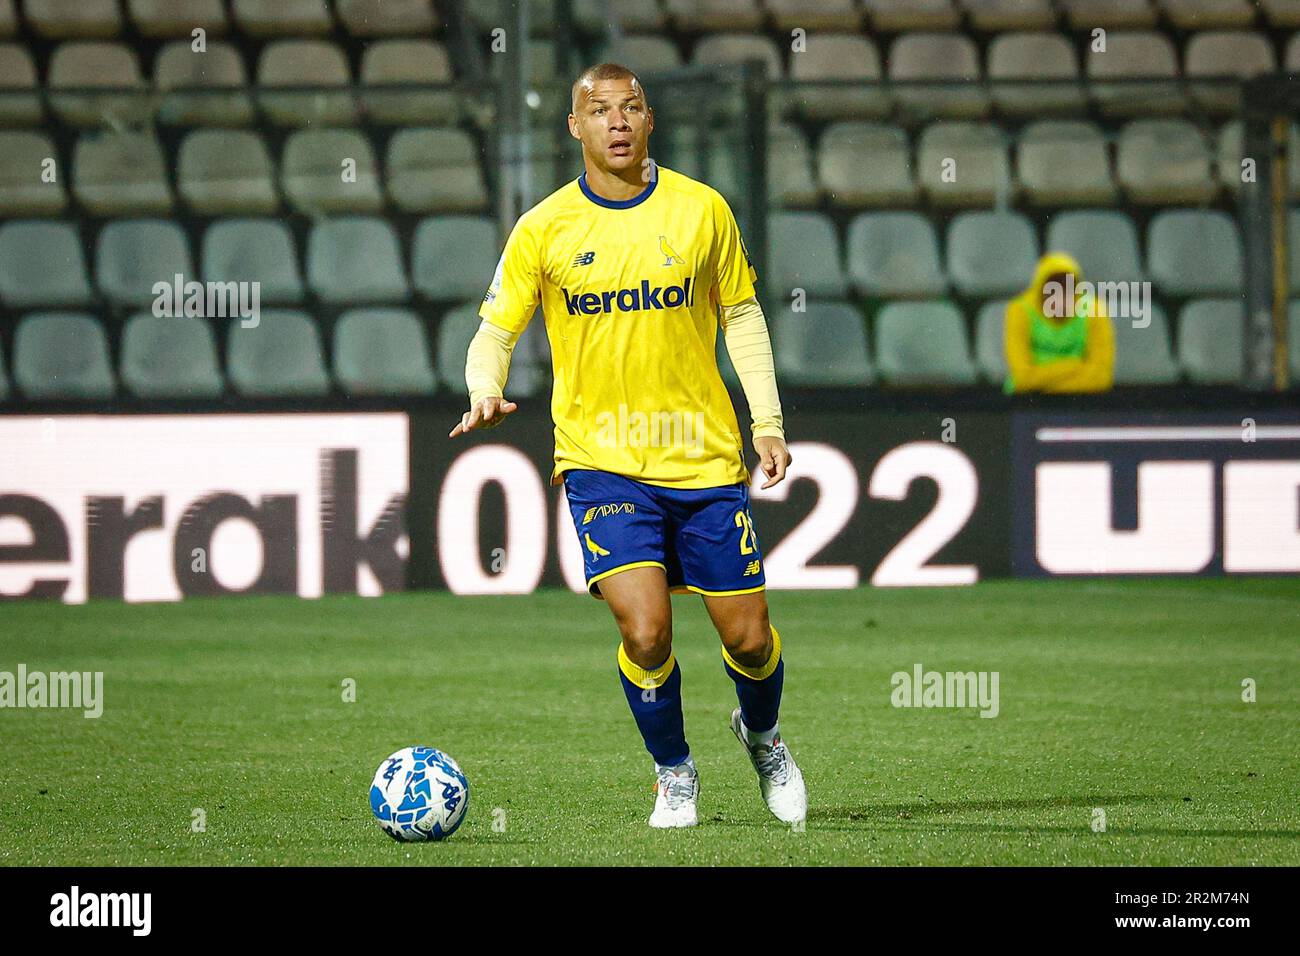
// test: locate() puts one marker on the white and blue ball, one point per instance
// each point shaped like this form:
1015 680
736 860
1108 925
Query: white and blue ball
419 793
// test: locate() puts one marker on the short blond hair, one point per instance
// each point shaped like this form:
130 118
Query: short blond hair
605 71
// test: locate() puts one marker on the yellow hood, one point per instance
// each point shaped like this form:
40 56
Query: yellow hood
1050 264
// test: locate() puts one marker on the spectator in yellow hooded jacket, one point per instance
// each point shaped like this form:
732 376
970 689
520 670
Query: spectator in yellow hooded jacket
1058 336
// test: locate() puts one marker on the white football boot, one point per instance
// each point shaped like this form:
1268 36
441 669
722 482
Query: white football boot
677 790
779 778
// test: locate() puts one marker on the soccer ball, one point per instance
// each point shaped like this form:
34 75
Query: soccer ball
419 794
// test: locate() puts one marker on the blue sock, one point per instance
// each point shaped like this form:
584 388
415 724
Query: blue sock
758 688
655 697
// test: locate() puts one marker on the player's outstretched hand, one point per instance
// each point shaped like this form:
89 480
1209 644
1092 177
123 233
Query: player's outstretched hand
774 458
487 413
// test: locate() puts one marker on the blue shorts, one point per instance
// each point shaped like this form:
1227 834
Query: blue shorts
703 538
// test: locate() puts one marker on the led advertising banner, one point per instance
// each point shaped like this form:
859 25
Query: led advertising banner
1156 494
157 507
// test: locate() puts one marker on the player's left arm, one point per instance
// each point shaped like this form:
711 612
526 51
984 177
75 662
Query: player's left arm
745 332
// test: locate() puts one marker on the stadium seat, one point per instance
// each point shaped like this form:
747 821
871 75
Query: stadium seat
1104 241
221 171
820 18
789 167
202 89
889 16
118 174
991 253
1108 14
67 19
726 49
452 257
979 173
1281 13
169 357
990 342
894 255
1228 160
1137 54
313 167
989 15
382 352
1049 61
62 356
414 62
1210 341
20 99
1206 14
1164 162
133 254
254 250
804 253
852 61
8 18
87 67
280 357
387 18
1194 252
823 346
432 170
1225 53
355 260
487 16
632 16
543 78
932 57
305 63
923 343
887 180
23 191
643 54
1142 355
42 266
167 19
698 16
1064 162
278 18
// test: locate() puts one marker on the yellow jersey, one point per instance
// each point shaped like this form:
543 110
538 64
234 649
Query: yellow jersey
630 292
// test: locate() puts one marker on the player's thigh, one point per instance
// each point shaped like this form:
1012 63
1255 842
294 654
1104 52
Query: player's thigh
642 608
743 625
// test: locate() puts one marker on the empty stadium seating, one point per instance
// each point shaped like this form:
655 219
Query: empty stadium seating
344 155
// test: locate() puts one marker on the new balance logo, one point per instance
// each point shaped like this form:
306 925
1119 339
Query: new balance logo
751 569
584 258
630 300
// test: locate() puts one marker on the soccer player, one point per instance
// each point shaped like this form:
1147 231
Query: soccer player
636 266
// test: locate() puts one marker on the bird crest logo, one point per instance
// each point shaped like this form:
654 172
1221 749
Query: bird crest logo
670 254
594 548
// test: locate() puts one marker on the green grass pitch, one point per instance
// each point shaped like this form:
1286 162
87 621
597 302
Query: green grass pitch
1124 696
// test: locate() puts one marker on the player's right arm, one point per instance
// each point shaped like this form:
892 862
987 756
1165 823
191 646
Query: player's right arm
507 307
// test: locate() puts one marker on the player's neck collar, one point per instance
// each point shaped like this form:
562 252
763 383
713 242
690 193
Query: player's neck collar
619 203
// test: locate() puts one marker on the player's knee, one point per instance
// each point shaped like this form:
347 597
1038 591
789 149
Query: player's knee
750 644
647 642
